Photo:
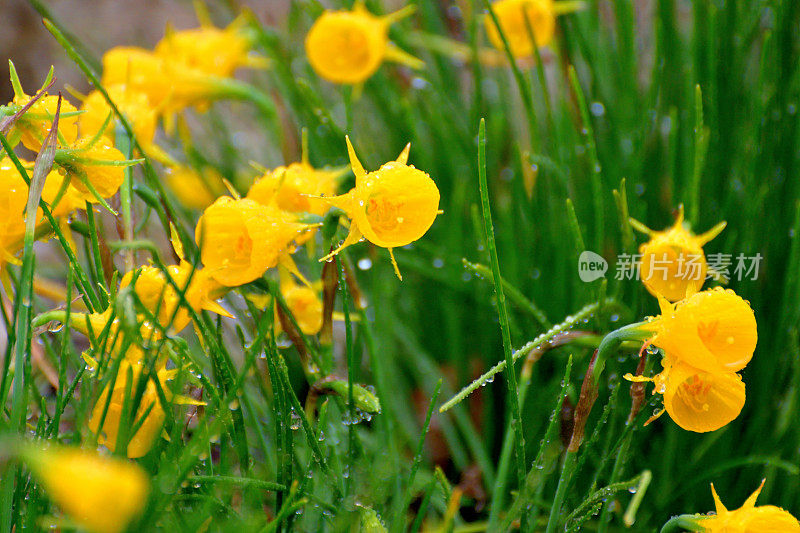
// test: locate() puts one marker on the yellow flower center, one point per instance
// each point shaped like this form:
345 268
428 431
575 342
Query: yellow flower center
383 214
244 245
694 393
346 47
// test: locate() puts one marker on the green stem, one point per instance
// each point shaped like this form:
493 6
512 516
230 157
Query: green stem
568 468
511 377
351 377
605 517
536 343
612 341
684 522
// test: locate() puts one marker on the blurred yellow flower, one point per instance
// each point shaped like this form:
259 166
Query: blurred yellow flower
150 408
749 518
304 303
349 46
157 294
133 104
672 262
392 206
171 86
211 50
15 198
294 188
195 190
511 14
713 330
93 326
139 70
102 494
240 239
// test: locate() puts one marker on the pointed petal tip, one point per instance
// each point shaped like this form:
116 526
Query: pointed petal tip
717 502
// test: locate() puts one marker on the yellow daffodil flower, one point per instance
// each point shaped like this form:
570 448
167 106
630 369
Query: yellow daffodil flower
171 86
150 407
749 518
102 494
348 46
673 264
139 70
195 190
133 104
304 303
157 294
34 125
214 51
295 188
15 198
95 167
240 239
699 401
713 330
511 15
392 206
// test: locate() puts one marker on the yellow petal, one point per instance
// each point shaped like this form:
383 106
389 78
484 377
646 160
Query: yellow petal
717 502
403 157
398 55
355 164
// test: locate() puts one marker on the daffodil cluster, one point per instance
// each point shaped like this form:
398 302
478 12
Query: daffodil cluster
706 337
706 340
86 168
187 68
165 300
91 166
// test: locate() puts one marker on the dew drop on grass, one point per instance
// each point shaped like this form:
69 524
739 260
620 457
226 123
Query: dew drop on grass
295 422
365 263
419 83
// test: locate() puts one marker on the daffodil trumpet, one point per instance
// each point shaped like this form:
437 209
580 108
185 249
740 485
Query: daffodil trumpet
390 207
672 263
348 47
